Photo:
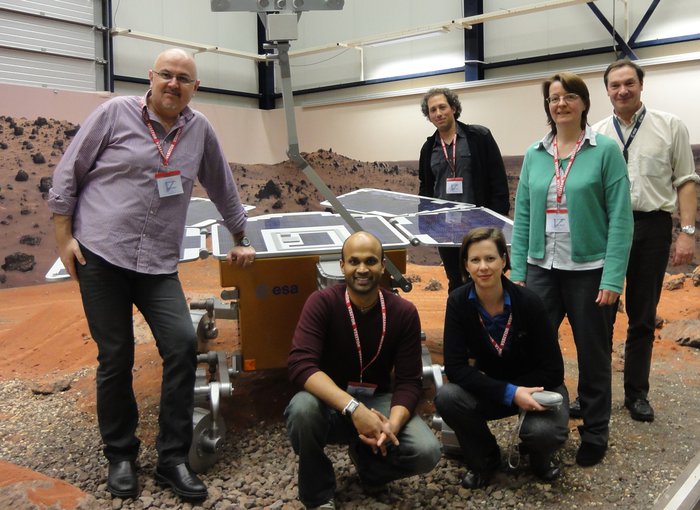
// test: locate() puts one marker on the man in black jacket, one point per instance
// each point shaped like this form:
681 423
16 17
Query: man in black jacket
462 163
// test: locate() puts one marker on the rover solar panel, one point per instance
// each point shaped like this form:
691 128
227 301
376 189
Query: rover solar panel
392 203
193 245
310 233
447 228
202 213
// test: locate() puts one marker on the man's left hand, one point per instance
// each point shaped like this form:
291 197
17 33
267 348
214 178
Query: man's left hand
377 436
244 256
683 250
389 433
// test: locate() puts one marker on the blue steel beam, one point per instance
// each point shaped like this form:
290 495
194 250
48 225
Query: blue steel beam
474 43
626 50
266 73
643 21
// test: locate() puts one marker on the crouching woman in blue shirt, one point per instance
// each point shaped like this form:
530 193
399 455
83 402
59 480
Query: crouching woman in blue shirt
500 348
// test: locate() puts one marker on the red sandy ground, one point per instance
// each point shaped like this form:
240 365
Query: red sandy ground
44 337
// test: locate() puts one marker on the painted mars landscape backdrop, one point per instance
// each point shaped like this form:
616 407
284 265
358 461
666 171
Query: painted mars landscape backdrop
31 148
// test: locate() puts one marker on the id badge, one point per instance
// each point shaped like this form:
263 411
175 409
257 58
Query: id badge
454 185
359 389
169 183
558 221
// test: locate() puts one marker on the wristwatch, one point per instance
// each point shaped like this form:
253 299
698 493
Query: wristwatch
243 241
351 407
688 229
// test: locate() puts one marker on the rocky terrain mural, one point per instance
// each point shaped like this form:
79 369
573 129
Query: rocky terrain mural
31 148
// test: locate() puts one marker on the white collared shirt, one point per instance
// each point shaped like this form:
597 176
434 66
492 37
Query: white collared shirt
660 158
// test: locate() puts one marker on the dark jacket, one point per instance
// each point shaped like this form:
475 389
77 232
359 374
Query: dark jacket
531 357
489 173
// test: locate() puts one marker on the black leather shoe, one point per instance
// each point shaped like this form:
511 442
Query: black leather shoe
640 409
575 409
476 480
590 454
182 481
122 481
547 471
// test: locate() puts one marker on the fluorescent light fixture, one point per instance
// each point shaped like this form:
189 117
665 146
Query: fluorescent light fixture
407 37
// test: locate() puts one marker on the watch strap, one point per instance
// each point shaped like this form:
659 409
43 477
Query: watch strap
243 241
351 407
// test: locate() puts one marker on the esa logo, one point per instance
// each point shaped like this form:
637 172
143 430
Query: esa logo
283 290
264 291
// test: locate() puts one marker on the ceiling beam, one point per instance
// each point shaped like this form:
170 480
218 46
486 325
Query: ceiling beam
442 27
198 47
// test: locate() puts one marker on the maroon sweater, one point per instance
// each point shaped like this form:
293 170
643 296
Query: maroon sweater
323 341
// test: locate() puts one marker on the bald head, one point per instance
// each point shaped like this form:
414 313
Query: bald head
362 264
178 55
362 238
173 83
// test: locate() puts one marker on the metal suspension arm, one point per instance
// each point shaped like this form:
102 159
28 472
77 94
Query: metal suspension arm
282 57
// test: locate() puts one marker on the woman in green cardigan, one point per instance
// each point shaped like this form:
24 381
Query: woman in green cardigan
571 240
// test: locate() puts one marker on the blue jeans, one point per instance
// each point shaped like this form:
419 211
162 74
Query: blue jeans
109 294
542 433
311 425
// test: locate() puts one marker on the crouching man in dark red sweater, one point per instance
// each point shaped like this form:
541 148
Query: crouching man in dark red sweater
348 341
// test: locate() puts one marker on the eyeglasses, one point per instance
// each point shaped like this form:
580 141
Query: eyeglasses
568 98
181 78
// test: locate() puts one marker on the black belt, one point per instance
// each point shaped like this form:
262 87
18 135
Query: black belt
647 215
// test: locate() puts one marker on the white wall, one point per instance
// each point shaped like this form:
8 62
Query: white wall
383 129
394 128
571 28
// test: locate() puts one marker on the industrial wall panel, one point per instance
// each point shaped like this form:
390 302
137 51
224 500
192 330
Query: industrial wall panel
24 68
82 11
46 35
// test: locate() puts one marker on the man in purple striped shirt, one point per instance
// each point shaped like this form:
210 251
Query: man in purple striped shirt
119 201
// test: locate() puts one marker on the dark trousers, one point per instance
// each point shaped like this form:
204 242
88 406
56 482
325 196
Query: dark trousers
541 434
451 263
311 425
645 276
573 293
109 294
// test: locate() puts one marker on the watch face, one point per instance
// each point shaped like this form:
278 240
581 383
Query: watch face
353 407
688 229
244 241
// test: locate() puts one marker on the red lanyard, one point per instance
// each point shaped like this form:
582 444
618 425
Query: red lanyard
452 164
557 167
156 141
357 336
498 346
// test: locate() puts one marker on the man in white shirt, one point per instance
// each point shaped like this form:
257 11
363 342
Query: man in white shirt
662 172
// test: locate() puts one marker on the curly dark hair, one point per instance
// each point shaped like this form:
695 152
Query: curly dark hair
452 100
